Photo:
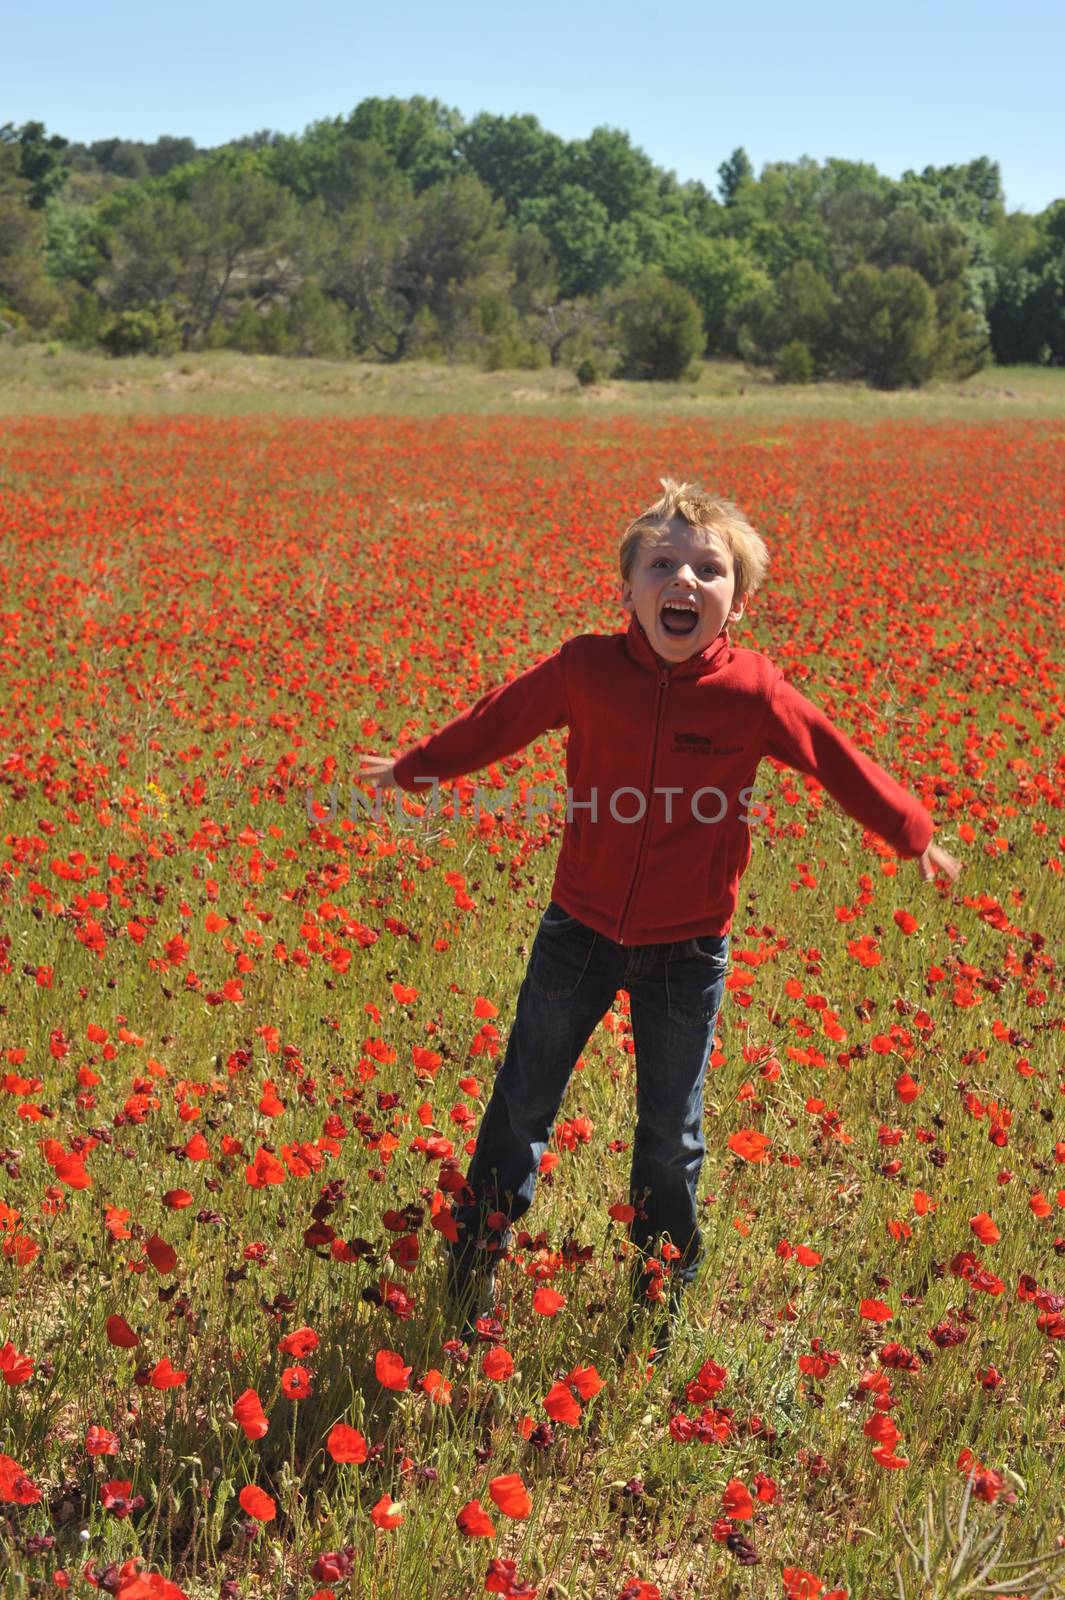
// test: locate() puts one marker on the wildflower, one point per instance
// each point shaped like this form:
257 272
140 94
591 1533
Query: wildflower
346 1444
116 1498
474 1521
510 1495
101 1442
749 1144
390 1371
255 1502
14 1368
296 1383
387 1513
120 1334
299 1343
165 1377
248 1412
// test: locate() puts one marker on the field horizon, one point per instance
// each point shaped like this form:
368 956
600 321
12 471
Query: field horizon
41 379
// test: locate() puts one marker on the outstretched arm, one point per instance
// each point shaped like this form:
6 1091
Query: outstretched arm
502 721
799 733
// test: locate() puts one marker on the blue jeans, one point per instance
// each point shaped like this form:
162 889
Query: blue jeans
572 978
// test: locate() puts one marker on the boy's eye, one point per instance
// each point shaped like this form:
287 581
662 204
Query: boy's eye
708 566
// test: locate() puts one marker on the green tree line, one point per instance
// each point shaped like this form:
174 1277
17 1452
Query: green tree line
403 229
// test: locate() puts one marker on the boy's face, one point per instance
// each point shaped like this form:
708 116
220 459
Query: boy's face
681 588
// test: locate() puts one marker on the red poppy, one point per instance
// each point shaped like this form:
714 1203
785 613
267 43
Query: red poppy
14 1368
736 1501
296 1383
120 1334
561 1406
390 1370
115 1497
264 1169
984 1228
162 1256
875 1310
387 1513
101 1442
749 1144
299 1343
436 1386
15 1488
497 1364
165 1377
248 1412
257 1503
474 1521
510 1495
547 1302
346 1444
585 1380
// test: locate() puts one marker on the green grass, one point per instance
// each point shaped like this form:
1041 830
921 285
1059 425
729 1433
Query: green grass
51 380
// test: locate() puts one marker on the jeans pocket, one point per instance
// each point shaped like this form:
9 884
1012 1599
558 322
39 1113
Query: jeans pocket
695 980
555 919
560 955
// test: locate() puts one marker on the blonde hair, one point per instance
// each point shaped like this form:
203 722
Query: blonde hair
707 512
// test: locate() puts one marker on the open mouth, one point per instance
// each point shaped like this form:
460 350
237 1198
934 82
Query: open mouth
679 618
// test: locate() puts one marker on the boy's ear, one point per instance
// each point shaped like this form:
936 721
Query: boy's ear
738 607
625 597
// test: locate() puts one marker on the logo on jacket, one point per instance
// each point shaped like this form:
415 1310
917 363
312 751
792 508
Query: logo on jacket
699 744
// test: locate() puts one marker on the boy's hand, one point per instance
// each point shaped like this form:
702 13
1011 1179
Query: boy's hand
378 770
936 860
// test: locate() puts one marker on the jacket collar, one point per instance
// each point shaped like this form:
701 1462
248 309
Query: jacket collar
638 646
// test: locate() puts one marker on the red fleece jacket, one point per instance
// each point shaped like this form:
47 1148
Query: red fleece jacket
660 768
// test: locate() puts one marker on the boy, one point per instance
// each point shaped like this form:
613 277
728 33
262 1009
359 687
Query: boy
667 723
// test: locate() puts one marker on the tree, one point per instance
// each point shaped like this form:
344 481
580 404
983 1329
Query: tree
330 164
967 192
23 287
167 153
940 253
720 275
421 136
732 173
209 235
591 253
1027 318
41 160
779 218
614 171
422 264
661 329
514 157
888 326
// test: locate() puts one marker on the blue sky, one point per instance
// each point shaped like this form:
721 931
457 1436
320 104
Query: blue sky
901 86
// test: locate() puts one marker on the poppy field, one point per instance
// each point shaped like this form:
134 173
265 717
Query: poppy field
248 1027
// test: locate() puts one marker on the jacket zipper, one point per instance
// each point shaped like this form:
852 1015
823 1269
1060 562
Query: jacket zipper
663 686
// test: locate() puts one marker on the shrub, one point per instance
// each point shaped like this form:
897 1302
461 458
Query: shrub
587 372
795 363
140 333
661 328
888 326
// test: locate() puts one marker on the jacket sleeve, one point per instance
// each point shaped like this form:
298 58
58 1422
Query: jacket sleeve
502 721
802 736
